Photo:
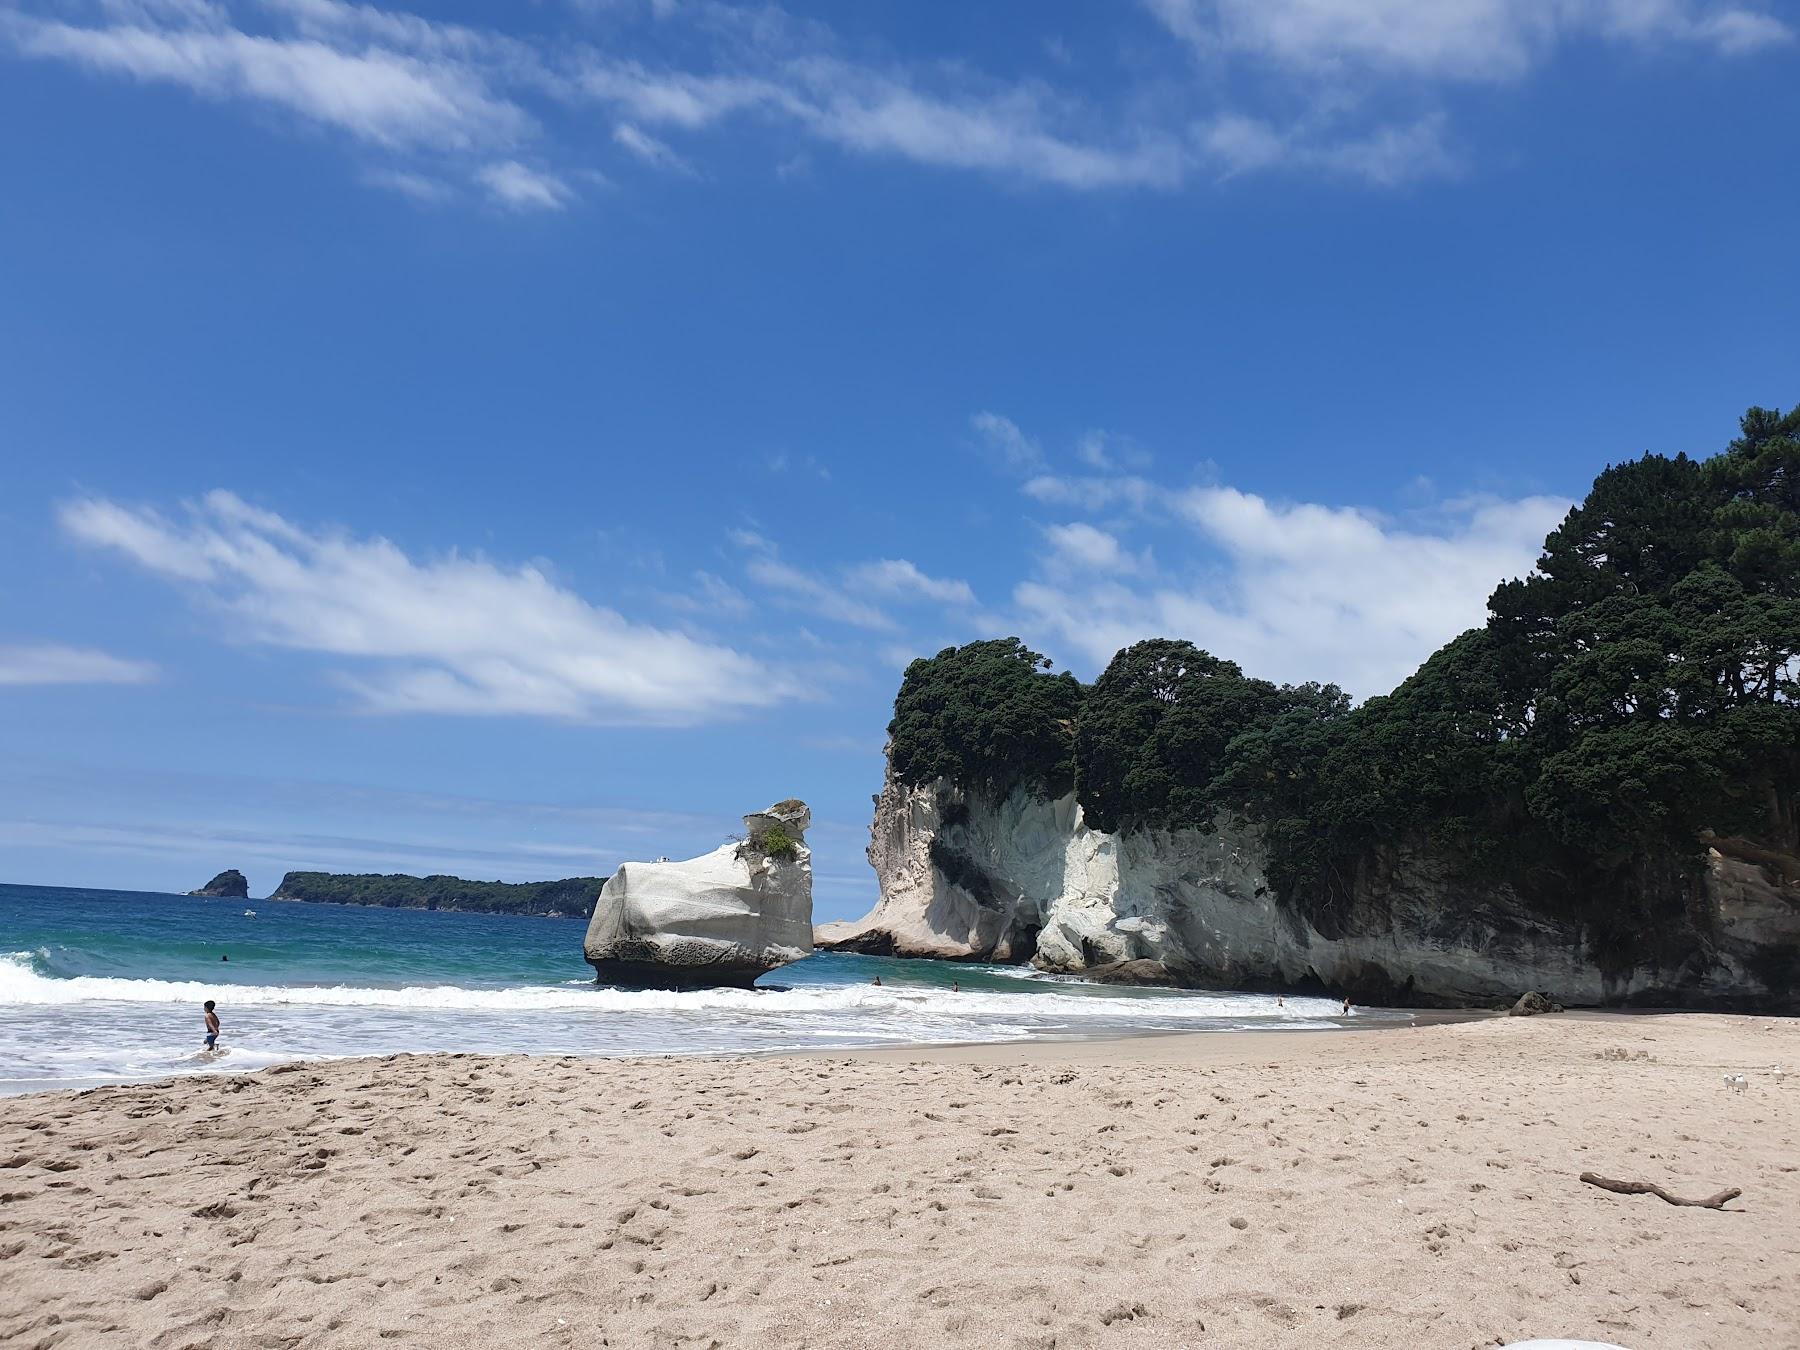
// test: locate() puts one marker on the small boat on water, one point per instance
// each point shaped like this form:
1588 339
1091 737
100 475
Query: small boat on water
249 914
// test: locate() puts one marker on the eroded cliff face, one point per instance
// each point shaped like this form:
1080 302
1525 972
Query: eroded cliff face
1023 879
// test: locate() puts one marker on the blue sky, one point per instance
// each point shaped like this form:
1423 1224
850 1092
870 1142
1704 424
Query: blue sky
510 439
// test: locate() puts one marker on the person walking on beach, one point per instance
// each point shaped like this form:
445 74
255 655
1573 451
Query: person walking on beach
212 1026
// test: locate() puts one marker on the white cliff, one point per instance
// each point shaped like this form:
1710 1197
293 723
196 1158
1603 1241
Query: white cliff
1025 879
722 919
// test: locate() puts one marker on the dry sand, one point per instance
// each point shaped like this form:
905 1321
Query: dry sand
1399 1188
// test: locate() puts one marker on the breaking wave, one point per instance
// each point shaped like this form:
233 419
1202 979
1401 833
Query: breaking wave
24 982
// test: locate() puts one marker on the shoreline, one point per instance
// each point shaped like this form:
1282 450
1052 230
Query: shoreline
1220 1044
1390 1022
1375 1187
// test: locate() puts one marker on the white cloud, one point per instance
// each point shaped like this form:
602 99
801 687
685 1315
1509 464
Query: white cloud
521 188
1093 492
1109 451
750 539
1002 437
815 595
1385 155
1080 547
1298 591
1009 133
1459 40
451 635
1301 86
711 595
811 592
53 663
384 97
899 577
652 151
418 186
1738 32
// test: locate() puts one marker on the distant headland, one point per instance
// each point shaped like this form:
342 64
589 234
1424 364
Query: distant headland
573 897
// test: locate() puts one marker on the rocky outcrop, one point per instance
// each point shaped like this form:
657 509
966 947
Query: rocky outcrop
1023 879
228 885
723 919
1533 1004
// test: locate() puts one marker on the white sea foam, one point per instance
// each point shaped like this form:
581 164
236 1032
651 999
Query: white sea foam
22 985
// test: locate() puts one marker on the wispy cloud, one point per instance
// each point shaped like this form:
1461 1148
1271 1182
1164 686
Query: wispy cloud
1000 437
420 187
901 578
388 98
651 151
53 663
847 595
522 188
816 596
1451 40
455 634
1334 88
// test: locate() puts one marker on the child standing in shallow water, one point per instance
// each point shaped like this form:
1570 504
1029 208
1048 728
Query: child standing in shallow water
212 1025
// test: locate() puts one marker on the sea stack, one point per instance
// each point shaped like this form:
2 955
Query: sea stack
719 920
228 885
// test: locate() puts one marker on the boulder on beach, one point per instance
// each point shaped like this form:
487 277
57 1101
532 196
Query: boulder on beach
228 885
722 919
1531 1004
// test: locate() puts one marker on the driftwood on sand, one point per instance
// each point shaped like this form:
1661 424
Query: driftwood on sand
1718 1201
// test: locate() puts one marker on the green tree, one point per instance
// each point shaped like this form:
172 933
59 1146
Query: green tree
988 715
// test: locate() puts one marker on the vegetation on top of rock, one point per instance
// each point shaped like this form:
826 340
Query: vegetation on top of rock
572 896
776 842
1640 689
988 715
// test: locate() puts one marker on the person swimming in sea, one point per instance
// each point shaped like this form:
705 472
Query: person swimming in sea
212 1026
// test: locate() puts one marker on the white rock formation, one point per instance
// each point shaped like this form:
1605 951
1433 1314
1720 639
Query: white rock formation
1025 879
722 919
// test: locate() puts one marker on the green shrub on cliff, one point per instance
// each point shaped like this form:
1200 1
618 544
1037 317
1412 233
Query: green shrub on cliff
777 843
1639 689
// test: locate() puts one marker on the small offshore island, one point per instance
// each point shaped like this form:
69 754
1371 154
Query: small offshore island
228 885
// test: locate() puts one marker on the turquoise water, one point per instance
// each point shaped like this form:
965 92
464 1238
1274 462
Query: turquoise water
105 986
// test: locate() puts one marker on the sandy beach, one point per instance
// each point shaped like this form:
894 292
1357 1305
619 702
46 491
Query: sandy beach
1415 1187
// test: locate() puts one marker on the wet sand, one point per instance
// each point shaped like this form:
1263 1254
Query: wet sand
1397 1188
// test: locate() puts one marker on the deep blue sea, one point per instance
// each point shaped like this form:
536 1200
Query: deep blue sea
106 986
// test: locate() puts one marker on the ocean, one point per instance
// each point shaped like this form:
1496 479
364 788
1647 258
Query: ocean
106 986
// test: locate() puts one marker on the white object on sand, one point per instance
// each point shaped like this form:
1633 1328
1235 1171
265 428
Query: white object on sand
1736 1082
